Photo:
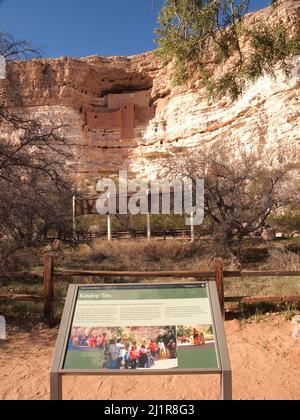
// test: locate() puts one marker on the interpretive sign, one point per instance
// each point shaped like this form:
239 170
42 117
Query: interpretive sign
142 329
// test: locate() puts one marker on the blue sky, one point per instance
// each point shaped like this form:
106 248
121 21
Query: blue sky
80 28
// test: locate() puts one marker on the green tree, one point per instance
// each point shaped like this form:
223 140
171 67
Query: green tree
168 335
184 331
203 36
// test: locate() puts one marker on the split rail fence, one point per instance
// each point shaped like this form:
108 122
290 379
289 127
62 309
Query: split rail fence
218 275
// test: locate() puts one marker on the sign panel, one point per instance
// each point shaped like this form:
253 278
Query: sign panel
138 328
88 206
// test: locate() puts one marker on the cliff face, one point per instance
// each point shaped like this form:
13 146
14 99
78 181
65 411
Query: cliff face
117 109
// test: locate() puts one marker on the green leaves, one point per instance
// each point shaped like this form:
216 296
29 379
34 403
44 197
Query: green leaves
270 45
185 27
203 36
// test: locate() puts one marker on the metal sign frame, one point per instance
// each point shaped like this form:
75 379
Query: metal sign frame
58 372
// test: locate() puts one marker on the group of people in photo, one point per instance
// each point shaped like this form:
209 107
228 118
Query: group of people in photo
126 348
121 354
88 342
197 338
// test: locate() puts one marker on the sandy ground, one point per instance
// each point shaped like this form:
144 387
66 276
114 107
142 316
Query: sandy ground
265 361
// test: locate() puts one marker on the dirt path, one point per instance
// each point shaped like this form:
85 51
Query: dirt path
265 361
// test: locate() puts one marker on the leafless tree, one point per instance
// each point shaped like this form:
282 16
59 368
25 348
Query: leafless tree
12 49
241 190
29 146
34 156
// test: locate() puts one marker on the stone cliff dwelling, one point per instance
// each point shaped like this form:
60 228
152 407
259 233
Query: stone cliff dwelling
120 114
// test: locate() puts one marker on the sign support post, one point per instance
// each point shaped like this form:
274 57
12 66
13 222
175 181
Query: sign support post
148 226
192 228
56 386
56 393
74 218
109 234
226 386
109 231
226 375
148 219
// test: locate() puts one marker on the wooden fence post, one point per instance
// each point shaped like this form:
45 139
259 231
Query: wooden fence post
49 289
219 275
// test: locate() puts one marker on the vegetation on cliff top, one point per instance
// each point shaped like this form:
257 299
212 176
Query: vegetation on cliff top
212 39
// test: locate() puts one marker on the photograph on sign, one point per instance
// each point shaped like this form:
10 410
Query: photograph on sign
128 348
149 328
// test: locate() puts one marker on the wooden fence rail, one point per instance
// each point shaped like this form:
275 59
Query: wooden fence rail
22 275
218 275
243 274
137 274
258 299
87 237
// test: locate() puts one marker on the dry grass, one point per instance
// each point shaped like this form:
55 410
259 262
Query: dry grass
141 256
279 259
283 260
155 256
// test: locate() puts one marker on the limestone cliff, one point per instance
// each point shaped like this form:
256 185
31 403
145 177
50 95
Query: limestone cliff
121 108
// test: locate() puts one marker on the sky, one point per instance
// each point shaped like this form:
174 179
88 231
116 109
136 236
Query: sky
79 28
